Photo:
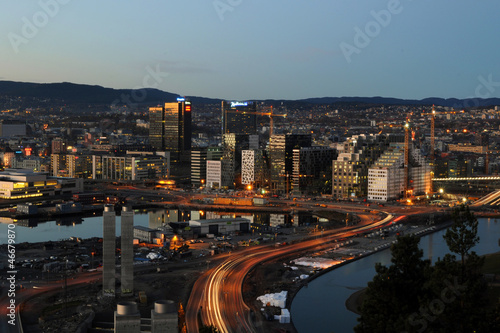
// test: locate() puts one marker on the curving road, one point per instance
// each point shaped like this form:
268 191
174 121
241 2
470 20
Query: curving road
217 297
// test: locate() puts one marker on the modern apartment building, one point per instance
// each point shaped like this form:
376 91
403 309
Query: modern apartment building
355 156
386 177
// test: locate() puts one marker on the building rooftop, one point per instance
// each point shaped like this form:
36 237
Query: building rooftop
218 221
390 157
140 227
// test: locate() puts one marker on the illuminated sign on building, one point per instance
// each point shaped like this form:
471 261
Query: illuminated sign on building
188 108
235 104
180 99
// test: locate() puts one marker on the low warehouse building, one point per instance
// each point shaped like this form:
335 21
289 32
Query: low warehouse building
220 226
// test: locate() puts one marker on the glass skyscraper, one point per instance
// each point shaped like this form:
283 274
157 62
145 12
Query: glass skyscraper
234 119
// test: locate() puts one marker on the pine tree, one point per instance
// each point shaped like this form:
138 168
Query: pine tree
394 293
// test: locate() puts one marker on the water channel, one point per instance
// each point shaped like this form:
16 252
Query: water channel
35 230
320 307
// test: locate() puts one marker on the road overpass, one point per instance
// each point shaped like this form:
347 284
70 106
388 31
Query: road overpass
492 199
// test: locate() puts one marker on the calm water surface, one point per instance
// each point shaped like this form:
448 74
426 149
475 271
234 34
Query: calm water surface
320 307
87 227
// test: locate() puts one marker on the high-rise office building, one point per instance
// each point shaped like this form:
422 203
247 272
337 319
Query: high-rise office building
231 160
281 148
170 130
312 170
253 168
198 166
199 158
235 120
157 127
108 250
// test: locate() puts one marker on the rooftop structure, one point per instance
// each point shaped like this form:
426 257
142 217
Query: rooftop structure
23 183
220 226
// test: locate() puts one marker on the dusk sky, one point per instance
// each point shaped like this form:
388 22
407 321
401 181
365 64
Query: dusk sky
256 49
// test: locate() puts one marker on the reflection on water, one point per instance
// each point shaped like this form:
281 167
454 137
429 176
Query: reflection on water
39 230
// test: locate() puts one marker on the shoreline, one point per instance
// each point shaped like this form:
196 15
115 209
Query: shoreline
353 298
354 301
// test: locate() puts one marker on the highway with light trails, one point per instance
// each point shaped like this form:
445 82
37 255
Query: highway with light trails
217 297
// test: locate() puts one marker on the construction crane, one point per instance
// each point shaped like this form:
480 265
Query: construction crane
407 157
487 159
407 128
433 114
269 114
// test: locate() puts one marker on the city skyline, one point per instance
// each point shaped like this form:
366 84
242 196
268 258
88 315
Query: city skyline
238 50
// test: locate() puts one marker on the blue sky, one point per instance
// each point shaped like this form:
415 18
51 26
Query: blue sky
256 49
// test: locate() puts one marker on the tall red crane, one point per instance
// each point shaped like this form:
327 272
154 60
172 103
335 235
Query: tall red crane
433 114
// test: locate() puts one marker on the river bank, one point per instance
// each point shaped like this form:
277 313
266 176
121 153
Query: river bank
490 269
321 306
283 274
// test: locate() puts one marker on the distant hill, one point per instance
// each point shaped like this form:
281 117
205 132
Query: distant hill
72 93
87 94
450 102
